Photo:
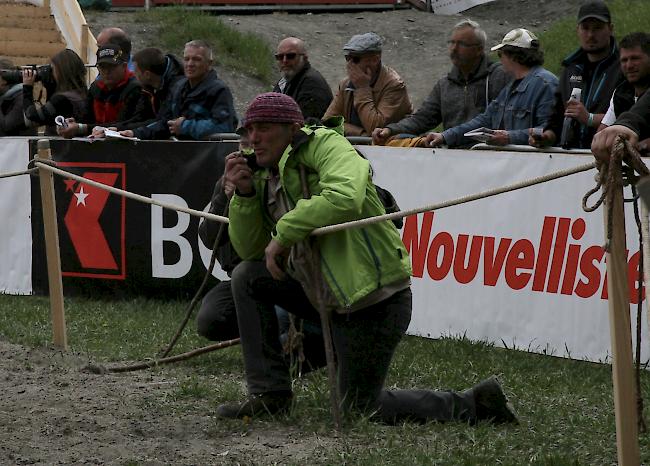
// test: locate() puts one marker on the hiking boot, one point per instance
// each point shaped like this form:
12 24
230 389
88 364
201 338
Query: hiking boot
491 403
270 403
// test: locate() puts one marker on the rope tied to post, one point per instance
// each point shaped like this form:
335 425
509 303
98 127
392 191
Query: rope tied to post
612 175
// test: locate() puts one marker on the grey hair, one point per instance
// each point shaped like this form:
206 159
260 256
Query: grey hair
201 44
481 35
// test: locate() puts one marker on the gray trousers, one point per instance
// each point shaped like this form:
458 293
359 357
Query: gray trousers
364 343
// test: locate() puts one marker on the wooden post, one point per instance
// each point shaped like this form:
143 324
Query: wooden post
627 440
52 248
85 39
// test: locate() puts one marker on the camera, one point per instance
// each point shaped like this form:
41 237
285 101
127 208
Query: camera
43 73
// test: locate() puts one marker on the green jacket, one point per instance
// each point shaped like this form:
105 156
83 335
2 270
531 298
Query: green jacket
354 262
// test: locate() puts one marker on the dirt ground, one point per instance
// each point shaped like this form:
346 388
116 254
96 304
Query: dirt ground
414 41
53 413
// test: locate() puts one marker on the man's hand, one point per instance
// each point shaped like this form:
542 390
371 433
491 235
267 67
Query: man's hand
547 138
273 254
69 131
127 133
500 137
358 76
603 141
98 132
238 174
175 126
576 110
380 136
29 76
435 139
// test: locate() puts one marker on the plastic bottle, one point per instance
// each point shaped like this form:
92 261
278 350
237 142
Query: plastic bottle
576 94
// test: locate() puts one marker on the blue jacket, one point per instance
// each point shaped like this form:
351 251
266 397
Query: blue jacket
515 109
208 108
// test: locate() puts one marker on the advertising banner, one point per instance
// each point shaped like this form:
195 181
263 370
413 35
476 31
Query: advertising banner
524 269
115 246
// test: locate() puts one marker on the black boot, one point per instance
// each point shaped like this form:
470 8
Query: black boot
269 403
491 403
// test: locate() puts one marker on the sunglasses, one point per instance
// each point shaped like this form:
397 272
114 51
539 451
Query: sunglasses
288 56
355 60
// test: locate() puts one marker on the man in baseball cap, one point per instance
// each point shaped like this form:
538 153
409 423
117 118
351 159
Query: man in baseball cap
594 69
372 95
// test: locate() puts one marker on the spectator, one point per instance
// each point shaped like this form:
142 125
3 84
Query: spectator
635 66
118 37
633 125
12 120
300 80
158 74
473 82
112 98
200 104
524 103
66 91
595 69
373 94
364 273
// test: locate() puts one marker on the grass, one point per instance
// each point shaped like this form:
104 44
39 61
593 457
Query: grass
245 52
560 39
565 407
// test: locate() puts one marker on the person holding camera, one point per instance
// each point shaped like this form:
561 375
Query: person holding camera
65 82
12 122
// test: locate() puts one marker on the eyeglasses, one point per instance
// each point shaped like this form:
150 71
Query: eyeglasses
353 59
461 43
288 56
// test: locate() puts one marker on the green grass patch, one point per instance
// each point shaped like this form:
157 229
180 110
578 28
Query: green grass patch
565 406
561 39
245 52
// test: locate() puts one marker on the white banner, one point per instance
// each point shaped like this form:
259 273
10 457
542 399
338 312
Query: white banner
15 211
451 7
524 269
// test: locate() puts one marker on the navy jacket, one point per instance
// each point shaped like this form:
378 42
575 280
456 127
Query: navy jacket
208 108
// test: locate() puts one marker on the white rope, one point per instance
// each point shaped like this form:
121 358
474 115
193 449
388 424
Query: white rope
453 202
340 226
137 197
23 172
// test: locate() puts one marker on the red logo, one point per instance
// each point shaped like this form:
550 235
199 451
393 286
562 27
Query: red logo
94 222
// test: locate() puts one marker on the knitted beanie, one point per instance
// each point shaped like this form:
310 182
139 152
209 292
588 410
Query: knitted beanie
273 107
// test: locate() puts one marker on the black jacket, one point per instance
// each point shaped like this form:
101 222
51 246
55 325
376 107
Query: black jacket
209 229
12 121
310 90
638 117
208 109
597 91
155 102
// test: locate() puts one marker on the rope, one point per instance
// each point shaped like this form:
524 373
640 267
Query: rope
457 201
127 194
99 369
199 292
612 177
24 172
639 309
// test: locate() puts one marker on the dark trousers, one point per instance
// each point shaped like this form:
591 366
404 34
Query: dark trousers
364 343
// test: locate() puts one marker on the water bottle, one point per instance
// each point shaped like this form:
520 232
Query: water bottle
576 94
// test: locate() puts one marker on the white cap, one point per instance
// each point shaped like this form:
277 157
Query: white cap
522 38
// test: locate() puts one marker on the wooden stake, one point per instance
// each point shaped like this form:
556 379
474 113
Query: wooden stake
627 440
52 248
